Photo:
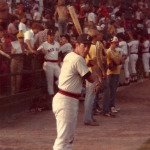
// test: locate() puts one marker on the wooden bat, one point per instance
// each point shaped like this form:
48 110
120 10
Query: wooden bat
75 19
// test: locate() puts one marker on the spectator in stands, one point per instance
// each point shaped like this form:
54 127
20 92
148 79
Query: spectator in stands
12 27
16 66
29 37
61 16
37 15
114 60
22 25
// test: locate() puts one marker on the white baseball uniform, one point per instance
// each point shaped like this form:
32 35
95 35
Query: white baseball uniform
50 65
146 55
123 45
65 105
133 47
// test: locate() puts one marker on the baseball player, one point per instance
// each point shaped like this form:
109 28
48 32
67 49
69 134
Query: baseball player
65 47
146 55
65 102
123 45
51 50
133 48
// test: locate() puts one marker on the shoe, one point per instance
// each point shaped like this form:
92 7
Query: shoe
92 123
97 112
109 115
114 110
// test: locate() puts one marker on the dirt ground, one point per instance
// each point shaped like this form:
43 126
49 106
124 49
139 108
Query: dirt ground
128 131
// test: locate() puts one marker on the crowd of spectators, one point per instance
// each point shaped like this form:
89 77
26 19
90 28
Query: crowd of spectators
30 20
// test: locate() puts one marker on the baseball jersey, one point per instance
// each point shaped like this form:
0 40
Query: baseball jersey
66 48
146 46
73 69
123 45
133 45
50 50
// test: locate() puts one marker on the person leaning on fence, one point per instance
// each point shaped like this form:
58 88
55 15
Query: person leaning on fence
29 37
114 61
65 103
16 66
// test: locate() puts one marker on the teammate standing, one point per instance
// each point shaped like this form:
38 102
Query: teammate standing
51 50
125 52
133 49
146 55
65 102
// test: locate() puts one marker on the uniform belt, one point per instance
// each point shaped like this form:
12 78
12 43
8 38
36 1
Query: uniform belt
49 60
145 52
134 53
73 95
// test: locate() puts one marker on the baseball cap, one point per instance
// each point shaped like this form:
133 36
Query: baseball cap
51 32
20 35
84 38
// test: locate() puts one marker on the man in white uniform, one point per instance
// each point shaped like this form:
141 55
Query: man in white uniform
51 50
65 47
133 48
123 45
146 55
65 102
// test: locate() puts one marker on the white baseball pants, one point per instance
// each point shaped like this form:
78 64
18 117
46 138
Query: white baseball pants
146 59
133 61
66 110
51 69
126 68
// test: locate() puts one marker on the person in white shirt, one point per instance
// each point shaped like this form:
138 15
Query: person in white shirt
92 16
37 15
18 48
146 55
22 26
51 50
125 53
133 51
29 37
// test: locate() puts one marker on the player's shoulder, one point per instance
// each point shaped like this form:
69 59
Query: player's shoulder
74 57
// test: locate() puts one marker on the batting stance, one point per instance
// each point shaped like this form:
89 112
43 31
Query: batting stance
50 48
65 102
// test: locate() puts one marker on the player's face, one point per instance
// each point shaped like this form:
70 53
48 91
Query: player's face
84 49
63 40
50 38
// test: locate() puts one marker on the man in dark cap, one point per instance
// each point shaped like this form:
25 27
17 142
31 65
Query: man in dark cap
66 101
51 50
